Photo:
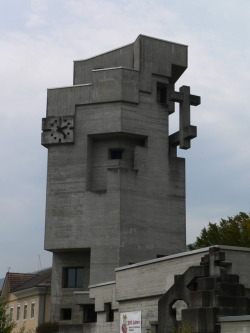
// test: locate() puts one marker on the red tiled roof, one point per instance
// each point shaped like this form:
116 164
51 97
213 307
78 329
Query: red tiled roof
20 281
17 279
40 279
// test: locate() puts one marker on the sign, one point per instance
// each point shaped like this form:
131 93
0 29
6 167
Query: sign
130 322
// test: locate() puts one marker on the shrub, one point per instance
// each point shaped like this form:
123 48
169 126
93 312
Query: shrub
183 329
48 327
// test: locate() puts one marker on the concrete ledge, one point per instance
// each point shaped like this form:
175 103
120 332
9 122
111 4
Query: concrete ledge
111 68
73 86
102 284
234 318
170 257
234 248
82 297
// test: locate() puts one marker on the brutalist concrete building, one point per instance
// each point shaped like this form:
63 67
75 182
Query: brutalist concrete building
115 185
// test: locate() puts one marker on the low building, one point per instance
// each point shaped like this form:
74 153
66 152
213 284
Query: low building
28 298
156 295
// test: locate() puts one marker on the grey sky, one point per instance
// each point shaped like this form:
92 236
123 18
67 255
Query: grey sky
39 39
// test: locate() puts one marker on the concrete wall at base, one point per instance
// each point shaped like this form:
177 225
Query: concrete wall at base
139 287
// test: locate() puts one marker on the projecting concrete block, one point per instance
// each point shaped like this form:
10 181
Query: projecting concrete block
206 283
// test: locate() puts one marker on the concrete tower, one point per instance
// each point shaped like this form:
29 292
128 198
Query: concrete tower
115 186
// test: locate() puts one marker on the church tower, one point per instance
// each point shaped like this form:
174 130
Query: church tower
115 186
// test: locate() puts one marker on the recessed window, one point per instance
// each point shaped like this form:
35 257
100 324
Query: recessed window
18 312
32 310
11 313
66 314
73 277
89 314
116 154
109 312
25 307
161 93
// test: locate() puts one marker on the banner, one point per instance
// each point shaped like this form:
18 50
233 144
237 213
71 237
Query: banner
130 322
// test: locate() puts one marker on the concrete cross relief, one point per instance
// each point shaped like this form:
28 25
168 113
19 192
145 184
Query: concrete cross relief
186 131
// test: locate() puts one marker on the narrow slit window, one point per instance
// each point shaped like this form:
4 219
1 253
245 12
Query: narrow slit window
11 313
109 312
25 307
161 93
32 310
18 312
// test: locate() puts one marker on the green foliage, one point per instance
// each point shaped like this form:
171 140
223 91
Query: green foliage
22 330
6 326
183 329
233 231
47 328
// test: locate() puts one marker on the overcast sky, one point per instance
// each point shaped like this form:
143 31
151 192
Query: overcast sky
39 39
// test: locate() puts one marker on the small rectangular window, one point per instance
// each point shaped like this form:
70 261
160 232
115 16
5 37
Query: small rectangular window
25 311
89 314
66 314
73 277
32 310
116 154
18 312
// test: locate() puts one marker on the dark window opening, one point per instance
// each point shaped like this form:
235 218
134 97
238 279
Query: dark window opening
18 312
160 255
115 154
73 277
25 307
65 314
109 312
161 93
11 313
89 314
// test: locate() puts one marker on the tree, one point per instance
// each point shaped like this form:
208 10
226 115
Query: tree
6 325
233 231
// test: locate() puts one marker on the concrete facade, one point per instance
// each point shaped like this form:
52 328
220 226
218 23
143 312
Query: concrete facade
115 186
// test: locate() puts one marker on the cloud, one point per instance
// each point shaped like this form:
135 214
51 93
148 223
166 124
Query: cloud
35 16
35 20
39 5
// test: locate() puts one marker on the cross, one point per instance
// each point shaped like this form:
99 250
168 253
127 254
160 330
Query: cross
186 130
